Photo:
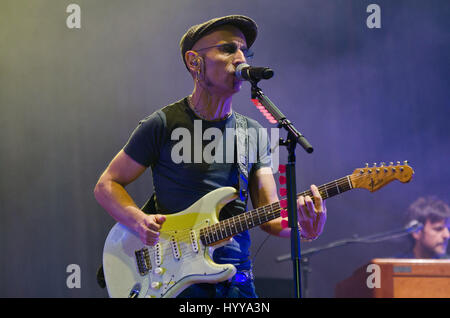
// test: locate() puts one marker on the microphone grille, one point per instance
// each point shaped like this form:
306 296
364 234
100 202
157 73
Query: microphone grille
241 66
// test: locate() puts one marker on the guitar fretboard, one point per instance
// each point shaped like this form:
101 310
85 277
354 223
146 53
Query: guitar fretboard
245 221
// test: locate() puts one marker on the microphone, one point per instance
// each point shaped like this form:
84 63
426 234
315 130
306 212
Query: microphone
245 72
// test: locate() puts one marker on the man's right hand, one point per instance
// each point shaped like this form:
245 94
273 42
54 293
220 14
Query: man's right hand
148 229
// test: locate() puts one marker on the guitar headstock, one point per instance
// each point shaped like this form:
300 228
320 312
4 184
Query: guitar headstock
376 177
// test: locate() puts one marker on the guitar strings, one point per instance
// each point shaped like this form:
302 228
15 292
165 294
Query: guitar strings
185 234
274 211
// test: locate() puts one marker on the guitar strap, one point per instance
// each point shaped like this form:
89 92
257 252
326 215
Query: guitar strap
150 206
242 155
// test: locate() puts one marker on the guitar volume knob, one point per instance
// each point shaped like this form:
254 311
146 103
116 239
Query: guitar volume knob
159 270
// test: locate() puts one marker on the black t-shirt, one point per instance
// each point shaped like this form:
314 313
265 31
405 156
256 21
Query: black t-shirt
188 163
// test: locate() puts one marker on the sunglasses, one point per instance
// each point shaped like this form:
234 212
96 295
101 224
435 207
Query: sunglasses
230 48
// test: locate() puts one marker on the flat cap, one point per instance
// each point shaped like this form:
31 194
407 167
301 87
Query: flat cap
247 26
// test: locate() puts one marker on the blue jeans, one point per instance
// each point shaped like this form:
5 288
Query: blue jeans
220 290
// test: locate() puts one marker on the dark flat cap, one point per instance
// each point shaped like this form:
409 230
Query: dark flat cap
247 26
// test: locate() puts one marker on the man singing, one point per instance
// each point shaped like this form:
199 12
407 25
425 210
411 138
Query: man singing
211 51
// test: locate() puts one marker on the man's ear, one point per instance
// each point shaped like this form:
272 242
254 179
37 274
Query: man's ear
417 234
193 60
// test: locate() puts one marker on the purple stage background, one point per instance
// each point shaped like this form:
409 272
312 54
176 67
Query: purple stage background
69 99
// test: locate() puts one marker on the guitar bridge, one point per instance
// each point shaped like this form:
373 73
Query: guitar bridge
143 261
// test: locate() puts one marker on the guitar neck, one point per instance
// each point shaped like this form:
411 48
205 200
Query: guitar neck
245 221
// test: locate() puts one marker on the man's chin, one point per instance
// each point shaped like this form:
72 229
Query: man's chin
230 88
441 249
237 85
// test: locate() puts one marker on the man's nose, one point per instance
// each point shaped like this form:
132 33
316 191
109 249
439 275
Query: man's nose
446 233
239 57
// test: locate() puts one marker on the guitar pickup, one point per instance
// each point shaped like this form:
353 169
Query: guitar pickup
175 249
194 242
158 254
143 261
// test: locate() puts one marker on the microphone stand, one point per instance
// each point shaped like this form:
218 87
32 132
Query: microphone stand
375 238
294 137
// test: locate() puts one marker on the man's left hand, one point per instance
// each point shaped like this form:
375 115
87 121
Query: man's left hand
312 214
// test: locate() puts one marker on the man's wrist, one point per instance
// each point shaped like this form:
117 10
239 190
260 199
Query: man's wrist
307 238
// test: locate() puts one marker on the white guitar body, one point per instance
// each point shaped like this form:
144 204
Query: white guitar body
178 261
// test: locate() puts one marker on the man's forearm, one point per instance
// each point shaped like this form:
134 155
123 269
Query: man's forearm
274 227
113 197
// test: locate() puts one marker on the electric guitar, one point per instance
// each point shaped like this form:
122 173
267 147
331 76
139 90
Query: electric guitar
183 255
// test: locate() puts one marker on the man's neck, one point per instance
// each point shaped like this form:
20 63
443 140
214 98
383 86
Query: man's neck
210 107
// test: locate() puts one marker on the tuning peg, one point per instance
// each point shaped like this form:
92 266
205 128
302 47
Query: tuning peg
405 162
391 163
382 164
374 164
367 165
398 163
